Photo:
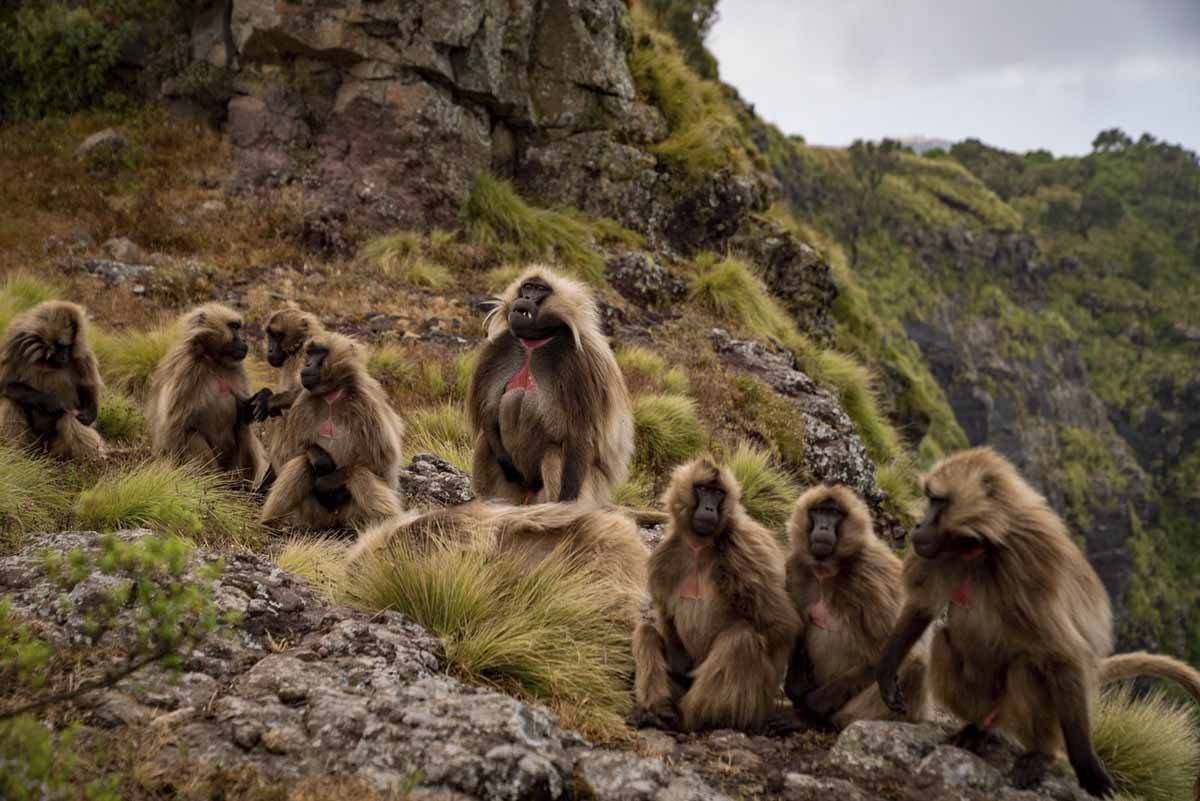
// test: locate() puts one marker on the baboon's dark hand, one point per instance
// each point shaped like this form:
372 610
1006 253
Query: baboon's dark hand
87 415
259 404
892 696
320 460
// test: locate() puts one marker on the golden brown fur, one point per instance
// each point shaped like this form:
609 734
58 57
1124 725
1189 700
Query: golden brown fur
604 540
725 625
291 328
570 437
44 404
196 406
1028 624
348 416
847 603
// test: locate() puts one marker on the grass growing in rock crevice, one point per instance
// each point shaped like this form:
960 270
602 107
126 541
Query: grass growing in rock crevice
319 560
1150 745
32 498
547 634
185 500
410 258
646 371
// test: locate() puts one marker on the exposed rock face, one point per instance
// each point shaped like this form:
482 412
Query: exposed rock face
641 279
303 690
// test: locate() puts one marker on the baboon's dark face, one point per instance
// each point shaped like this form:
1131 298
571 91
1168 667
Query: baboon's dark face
228 346
314 368
944 530
709 510
277 352
824 528
531 317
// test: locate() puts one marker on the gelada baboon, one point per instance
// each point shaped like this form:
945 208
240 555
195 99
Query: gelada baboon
288 330
603 541
49 382
1028 622
341 443
725 625
548 405
846 586
198 407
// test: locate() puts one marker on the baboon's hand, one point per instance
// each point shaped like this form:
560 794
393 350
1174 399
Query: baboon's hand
662 716
86 415
889 687
823 701
259 404
49 406
319 459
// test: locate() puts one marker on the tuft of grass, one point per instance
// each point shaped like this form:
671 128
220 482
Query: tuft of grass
1149 744
390 365
31 497
443 431
705 134
120 418
464 370
127 360
545 634
637 491
403 256
767 491
644 369
497 217
668 430
730 289
186 500
19 293
321 561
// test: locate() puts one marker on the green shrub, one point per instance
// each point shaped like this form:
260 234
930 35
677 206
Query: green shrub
441 430
546 634
668 430
497 217
32 497
637 491
120 418
1149 744
767 491
185 500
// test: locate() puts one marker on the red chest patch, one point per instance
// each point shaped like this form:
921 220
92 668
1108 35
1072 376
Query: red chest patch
962 595
821 617
523 380
328 430
223 386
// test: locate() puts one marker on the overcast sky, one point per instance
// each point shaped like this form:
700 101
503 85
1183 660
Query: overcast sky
1019 74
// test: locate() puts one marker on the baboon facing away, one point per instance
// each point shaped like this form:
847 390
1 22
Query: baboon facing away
716 655
50 383
846 586
340 444
1028 625
198 407
604 541
549 409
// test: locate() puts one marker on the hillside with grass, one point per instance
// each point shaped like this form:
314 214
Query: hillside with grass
807 314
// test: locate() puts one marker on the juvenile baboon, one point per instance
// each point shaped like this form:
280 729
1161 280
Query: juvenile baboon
1028 623
548 405
602 540
846 586
340 444
288 329
49 382
725 624
198 408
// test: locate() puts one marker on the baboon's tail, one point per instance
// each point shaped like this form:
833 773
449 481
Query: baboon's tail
1141 663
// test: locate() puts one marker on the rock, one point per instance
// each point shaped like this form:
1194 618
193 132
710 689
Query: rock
655 743
955 768
102 145
641 279
610 776
211 208
802 787
117 273
868 746
713 213
123 249
431 478
833 451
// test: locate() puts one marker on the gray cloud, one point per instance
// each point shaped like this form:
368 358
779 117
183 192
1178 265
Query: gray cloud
1020 74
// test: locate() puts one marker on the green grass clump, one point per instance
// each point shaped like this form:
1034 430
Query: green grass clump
127 360
120 418
1149 744
668 430
546 634
31 497
730 289
773 418
319 560
767 491
705 134
19 293
497 217
390 365
443 431
637 491
646 370
403 256
185 500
